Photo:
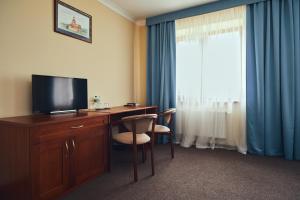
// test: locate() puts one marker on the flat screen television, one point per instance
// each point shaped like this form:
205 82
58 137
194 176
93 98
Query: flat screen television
52 94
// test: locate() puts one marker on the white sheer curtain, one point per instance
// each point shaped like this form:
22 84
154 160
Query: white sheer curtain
211 80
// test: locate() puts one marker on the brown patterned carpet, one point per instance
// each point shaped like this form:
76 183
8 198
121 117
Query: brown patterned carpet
195 174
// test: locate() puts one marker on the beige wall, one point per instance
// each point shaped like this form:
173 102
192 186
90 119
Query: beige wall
28 45
140 59
143 56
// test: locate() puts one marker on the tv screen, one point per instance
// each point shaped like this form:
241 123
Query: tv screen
52 94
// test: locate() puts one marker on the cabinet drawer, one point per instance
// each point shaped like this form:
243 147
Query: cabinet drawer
57 130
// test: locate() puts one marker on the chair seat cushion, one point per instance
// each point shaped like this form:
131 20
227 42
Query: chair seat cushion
161 129
127 138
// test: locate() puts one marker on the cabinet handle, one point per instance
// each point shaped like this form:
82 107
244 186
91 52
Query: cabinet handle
73 143
67 146
77 127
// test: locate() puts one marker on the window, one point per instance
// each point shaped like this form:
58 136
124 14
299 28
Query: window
210 79
210 56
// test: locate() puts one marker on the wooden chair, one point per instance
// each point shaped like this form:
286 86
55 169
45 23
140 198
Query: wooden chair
138 125
165 130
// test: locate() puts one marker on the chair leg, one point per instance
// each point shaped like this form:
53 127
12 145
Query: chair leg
135 163
143 153
171 143
152 158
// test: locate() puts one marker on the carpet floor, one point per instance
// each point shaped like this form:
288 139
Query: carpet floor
195 174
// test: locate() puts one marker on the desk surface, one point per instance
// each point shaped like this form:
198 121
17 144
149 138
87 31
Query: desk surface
39 119
124 109
46 118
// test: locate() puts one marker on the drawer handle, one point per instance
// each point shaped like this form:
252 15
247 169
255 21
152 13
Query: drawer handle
77 127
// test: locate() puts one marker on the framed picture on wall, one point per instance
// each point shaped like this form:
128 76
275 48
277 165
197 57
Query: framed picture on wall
72 22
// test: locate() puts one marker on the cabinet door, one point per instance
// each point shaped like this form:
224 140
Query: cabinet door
89 156
50 168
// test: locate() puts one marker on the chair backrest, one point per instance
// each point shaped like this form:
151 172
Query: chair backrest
167 114
139 123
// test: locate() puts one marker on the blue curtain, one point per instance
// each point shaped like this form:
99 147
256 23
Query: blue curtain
273 78
161 67
198 10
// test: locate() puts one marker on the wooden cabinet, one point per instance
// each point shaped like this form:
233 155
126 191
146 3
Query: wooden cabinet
57 153
51 167
89 155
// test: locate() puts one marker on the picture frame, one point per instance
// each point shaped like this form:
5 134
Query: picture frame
72 22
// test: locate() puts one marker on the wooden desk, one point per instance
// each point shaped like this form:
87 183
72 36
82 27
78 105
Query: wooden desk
44 156
116 113
115 116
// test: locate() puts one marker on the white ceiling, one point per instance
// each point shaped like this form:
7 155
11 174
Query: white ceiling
140 9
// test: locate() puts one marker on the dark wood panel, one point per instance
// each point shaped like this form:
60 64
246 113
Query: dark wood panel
14 163
152 110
